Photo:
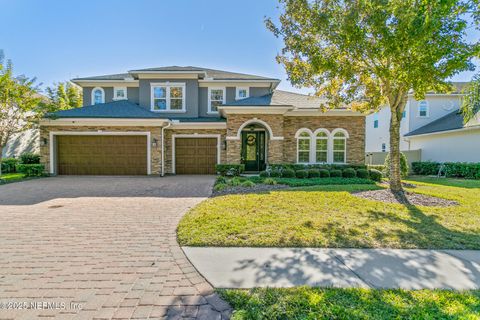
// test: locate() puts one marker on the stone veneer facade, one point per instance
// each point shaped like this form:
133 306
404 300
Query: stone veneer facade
285 151
279 150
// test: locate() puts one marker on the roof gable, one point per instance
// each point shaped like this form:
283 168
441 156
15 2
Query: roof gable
451 121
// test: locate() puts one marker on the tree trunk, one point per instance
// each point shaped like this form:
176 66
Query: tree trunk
395 172
1 157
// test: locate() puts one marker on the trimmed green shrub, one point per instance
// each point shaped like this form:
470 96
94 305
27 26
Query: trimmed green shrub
375 175
235 181
313 173
363 173
296 167
403 165
9 165
264 174
220 187
270 181
230 170
288 173
248 184
462 170
324 173
301 174
379 167
221 179
276 173
425 168
30 158
349 173
335 173
31 170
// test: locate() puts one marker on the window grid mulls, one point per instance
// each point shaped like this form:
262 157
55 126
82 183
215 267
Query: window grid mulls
321 146
168 97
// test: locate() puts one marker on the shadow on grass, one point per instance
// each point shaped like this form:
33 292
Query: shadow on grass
312 303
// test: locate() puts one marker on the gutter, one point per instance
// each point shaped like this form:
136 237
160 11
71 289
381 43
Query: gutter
163 146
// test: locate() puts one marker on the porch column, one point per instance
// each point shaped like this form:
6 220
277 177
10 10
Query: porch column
233 151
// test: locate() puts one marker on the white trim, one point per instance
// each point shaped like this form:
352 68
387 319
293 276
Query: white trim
345 144
209 104
302 130
168 86
313 144
102 122
427 105
195 135
225 110
237 89
310 144
255 120
97 133
167 72
345 132
93 95
199 125
477 127
115 93
106 83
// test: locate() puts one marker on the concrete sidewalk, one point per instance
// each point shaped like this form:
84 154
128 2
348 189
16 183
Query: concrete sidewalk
374 268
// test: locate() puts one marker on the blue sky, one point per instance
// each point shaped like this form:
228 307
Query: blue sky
59 40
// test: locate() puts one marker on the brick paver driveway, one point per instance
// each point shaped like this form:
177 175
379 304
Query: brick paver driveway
101 248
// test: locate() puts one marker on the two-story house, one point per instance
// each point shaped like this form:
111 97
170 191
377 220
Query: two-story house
184 120
433 126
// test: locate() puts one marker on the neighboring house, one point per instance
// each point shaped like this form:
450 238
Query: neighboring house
432 126
184 120
25 141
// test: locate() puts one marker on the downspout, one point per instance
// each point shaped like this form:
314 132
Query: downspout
163 146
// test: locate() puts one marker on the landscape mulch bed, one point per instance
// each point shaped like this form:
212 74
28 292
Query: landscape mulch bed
416 199
258 188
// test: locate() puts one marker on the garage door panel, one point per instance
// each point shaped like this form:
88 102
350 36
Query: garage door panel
195 155
102 155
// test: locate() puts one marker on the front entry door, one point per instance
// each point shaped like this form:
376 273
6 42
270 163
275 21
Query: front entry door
253 150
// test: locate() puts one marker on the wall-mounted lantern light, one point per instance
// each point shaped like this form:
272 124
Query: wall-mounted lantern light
154 142
224 144
44 141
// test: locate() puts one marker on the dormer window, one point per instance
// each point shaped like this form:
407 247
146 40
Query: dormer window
168 97
216 97
241 93
119 93
98 95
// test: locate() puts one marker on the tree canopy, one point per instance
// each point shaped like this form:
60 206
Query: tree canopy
370 53
63 96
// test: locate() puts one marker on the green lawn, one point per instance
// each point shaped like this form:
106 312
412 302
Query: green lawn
12 177
329 216
316 303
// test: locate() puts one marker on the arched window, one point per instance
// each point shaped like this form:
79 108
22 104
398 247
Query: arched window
98 96
321 153
339 147
303 147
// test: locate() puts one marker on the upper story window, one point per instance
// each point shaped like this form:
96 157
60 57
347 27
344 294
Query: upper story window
423 108
119 93
384 147
216 97
98 95
375 120
404 114
168 97
242 93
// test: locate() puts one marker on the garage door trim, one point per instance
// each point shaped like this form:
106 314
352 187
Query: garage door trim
195 135
96 133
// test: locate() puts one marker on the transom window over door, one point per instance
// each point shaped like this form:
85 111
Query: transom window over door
216 97
304 147
168 97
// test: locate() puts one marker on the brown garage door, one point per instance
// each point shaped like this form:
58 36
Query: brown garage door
102 155
195 155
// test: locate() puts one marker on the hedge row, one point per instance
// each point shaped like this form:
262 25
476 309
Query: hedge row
230 169
467 170
11 165
322 173
296 167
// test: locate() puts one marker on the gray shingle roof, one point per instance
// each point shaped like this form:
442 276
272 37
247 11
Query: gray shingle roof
281 98
115 109
118 76
200 119
210 73
451 121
